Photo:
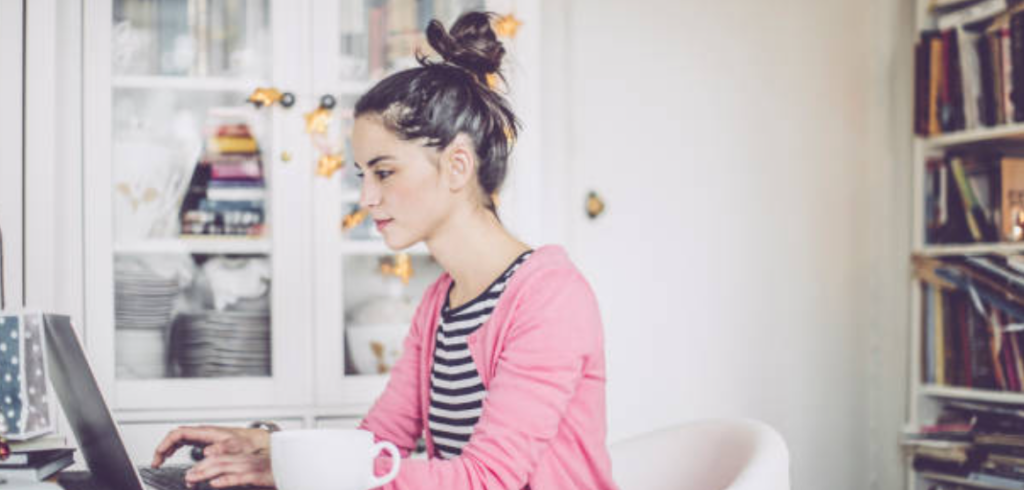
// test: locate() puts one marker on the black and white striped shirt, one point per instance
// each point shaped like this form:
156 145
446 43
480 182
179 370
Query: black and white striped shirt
456 392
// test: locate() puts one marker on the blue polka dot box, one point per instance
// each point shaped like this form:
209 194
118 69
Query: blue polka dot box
25 408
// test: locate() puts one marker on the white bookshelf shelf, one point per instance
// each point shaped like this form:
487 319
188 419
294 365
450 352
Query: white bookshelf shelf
1009 132
212 246
972 394
218 84
199 84
970 249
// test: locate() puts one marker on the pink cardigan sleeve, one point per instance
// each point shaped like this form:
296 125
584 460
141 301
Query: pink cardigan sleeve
396 416
554 325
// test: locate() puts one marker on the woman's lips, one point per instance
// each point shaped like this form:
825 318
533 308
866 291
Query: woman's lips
381 223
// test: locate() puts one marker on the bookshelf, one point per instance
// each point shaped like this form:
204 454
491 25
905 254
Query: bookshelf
966 350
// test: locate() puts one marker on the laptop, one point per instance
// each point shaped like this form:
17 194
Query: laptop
98 436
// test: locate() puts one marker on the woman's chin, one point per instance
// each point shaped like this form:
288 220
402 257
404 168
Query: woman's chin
397 244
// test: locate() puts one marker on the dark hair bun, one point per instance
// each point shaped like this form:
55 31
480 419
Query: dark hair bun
471 44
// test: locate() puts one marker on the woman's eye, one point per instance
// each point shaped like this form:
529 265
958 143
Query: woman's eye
383 174
360 175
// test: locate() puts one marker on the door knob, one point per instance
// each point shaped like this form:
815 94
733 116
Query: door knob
595 205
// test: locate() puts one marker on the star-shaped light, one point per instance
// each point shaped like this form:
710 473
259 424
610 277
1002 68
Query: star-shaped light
493 81
353 219
509 135
507 26
401 268
264 97
317 121
328 164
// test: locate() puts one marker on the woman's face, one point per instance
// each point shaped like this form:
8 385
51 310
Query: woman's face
403 189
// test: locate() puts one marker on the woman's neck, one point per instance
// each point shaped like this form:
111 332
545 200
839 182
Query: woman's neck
474 249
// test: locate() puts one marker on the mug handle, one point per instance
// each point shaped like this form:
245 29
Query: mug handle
396 459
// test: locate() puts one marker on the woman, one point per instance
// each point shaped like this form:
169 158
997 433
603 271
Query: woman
503 368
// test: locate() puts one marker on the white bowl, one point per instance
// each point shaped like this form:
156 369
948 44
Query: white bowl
374 349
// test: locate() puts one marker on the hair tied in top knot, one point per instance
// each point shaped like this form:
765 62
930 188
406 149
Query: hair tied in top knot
471 44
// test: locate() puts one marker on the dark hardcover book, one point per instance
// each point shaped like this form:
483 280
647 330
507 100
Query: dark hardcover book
196 191
982 370
1017 57
952 359
983 179
987 109
955 229
37 473
927 464
945 104
966 371
35 458
955 75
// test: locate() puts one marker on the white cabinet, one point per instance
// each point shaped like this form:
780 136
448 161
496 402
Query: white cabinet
219 277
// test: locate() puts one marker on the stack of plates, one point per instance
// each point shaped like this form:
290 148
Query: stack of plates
222 343
141 353
143 299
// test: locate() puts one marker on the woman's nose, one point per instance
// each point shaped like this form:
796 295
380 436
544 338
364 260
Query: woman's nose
369 194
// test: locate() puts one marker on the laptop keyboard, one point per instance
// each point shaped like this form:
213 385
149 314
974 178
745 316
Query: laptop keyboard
170 477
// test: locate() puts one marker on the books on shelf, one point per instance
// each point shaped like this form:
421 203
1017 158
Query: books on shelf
964 195
971 442
973 318
967 70
227 192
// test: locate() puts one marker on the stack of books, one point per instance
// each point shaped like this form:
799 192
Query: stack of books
227 192
35 464
971 443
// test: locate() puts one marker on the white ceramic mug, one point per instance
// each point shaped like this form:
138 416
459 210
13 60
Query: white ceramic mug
328 459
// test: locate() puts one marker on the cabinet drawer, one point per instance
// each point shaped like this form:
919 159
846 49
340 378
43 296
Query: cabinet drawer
141 438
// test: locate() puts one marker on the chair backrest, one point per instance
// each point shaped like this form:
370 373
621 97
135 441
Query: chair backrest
732 454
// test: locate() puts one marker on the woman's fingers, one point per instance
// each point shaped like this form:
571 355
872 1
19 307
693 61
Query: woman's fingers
187 435
232 470
232 445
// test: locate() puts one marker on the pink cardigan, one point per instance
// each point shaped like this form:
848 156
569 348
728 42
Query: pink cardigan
541 358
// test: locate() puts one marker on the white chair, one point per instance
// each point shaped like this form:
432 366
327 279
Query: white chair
733 454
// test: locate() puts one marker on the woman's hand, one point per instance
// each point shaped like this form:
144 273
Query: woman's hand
232 470
218 441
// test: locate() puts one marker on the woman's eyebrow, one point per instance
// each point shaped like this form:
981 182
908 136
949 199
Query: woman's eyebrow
374 161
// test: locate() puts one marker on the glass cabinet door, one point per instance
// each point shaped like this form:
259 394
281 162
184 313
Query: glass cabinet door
199 210
366 294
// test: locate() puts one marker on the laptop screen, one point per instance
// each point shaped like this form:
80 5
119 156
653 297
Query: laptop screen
82 401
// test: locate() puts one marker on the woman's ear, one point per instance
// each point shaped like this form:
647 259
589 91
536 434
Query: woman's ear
459 161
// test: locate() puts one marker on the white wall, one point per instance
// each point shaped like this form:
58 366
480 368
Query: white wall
733 143
11 168
889 225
